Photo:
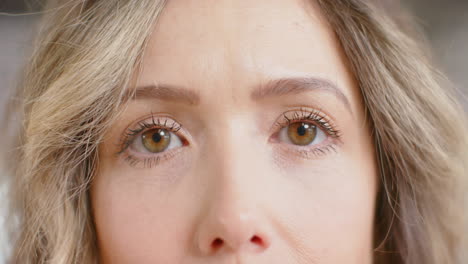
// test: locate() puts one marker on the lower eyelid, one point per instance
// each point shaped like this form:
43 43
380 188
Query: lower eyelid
315 152
139 161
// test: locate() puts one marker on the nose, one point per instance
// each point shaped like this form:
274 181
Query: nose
232 219
231 228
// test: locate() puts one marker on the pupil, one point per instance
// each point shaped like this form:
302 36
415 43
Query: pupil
302 130
158 136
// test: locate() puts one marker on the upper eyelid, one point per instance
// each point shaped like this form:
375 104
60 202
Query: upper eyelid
151 121
305 114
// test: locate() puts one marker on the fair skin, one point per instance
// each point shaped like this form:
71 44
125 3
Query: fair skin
246 175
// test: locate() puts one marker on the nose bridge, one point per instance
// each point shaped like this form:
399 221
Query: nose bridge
232 219
236 150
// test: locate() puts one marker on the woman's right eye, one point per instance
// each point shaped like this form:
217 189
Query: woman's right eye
155 140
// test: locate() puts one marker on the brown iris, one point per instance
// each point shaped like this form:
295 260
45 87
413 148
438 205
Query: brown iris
302 133
156 140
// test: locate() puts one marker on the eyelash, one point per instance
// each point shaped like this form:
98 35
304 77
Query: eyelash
314 116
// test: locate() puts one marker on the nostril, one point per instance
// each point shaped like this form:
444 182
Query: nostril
256 240
217 243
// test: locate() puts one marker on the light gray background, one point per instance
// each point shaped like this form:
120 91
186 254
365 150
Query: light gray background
15 44
445 22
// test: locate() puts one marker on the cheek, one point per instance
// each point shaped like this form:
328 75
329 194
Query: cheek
331 204
137 218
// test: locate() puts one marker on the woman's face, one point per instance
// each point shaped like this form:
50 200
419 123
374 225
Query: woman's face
246 142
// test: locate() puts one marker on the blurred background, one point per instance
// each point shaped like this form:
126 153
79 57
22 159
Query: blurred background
444 21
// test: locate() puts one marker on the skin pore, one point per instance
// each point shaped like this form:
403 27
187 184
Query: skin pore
246 142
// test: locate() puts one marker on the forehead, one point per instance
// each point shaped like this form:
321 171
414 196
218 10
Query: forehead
225 43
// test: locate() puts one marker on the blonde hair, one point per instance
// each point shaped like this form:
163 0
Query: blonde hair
88 52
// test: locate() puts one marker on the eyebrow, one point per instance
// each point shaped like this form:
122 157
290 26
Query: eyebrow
271 88
297 85
164 92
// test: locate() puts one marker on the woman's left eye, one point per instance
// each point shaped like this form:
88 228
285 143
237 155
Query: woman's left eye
302 134
155 141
